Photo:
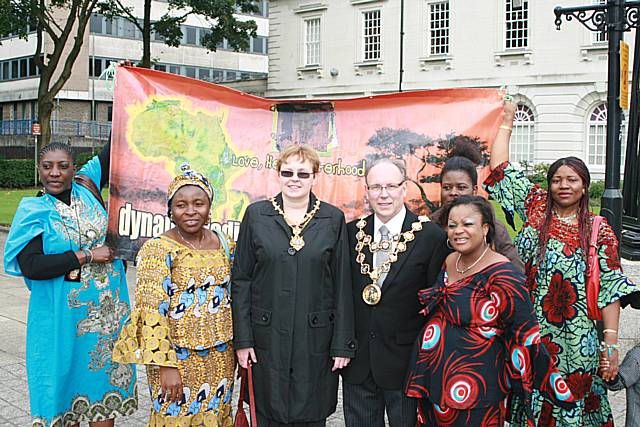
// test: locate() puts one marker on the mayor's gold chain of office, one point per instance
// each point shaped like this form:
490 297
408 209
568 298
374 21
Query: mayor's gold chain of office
372 293
296 241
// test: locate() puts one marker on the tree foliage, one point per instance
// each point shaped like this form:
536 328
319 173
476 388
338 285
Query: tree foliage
219 15
60 27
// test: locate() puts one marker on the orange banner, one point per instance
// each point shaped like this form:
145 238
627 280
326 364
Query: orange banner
161 120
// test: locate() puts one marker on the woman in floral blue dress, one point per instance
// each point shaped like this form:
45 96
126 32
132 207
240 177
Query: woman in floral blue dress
79 299
553 244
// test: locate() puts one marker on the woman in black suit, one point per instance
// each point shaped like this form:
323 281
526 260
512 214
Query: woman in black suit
291 297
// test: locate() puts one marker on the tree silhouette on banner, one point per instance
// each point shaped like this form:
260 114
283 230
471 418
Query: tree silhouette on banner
406 144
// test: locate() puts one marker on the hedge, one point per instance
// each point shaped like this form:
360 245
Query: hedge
19 173
16 173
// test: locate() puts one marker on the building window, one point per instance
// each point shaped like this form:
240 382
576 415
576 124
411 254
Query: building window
521 144
108 26
191 35
371 35
33 68
204 74
517 25
14 69
312 41
97 65
438 41
258 45
217 75
190 72
263 8
24 68
95 24
157 36
597 137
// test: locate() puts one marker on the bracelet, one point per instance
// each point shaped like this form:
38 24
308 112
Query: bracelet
509 128
613 331
609 348
88 256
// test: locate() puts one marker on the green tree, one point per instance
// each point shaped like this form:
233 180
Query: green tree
60 26
218 13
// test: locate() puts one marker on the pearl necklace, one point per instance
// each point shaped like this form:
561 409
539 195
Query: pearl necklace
464 270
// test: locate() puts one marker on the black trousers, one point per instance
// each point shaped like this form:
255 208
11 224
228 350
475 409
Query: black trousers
365 405
266 422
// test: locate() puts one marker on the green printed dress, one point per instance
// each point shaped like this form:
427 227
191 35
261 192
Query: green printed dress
557 286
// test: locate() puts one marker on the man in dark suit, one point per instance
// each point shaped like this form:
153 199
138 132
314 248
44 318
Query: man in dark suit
394 254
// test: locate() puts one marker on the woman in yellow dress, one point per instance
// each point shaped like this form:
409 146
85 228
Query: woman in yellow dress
181 325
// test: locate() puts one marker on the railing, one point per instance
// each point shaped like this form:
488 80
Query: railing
90 129
15 127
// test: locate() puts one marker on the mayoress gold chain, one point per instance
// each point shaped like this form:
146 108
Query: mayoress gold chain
296 241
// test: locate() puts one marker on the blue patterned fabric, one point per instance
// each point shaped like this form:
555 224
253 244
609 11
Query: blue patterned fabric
72 326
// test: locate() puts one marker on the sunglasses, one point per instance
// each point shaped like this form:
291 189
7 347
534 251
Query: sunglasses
301 175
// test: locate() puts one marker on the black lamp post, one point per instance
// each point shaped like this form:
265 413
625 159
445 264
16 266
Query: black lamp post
614 17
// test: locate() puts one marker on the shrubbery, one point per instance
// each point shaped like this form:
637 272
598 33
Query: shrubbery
537 173
19 173
16 173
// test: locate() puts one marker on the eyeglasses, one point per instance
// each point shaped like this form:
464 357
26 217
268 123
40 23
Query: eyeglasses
301 175
377 188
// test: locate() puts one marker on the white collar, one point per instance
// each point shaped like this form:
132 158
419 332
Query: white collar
394 225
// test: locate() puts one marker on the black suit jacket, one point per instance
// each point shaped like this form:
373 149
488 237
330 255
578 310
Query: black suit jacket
387 331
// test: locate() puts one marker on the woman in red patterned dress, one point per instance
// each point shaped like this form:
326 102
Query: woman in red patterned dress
481 340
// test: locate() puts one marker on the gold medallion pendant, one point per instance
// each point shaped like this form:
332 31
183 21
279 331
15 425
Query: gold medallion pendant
296 241
371 294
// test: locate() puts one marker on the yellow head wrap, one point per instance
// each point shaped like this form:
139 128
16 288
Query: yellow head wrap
189 177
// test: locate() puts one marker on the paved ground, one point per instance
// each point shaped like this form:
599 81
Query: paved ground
14 403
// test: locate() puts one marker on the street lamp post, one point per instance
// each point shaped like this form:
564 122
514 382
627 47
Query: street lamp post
613 17
631 195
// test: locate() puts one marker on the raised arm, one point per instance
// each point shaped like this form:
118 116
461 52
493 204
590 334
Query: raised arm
500 146
105 163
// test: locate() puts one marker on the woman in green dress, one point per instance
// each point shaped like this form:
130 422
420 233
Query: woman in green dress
553 244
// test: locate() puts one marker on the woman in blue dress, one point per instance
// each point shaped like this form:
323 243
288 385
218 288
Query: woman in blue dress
79 298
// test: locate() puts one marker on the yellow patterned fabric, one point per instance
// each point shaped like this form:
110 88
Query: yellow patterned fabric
207 378
208 419
182 319
145 340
